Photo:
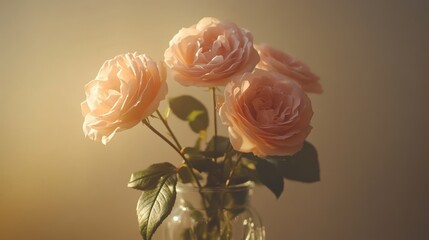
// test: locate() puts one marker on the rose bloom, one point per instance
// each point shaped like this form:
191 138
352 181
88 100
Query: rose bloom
266 114
127 89
210 53
278 61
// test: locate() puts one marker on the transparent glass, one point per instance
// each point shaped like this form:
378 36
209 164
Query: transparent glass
213 214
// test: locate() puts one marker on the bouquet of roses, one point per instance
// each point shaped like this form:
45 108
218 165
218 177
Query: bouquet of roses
258 92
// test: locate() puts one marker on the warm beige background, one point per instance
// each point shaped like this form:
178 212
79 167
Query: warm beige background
370 125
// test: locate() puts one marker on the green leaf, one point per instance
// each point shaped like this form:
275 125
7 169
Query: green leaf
245 171
149 177
194 115
155 205
198 160
193 154
268 174
217 147
191 110
302 166
185 175
227 166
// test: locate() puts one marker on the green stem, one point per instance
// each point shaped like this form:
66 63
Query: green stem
229 151
204 198
214 117
188 164
164 121
233 170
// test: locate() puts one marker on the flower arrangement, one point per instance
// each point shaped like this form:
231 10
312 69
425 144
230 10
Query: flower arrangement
264 105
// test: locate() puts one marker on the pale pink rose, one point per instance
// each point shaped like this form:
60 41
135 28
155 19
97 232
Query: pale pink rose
266 114
210 53
278 61
127 89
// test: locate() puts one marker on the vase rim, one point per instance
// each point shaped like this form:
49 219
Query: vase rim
181 187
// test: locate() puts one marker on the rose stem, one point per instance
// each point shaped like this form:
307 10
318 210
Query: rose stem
233 170
164 121
214 118
145 122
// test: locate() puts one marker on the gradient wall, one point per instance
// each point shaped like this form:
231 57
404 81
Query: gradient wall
370 124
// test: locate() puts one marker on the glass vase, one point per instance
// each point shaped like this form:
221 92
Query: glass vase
214 214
